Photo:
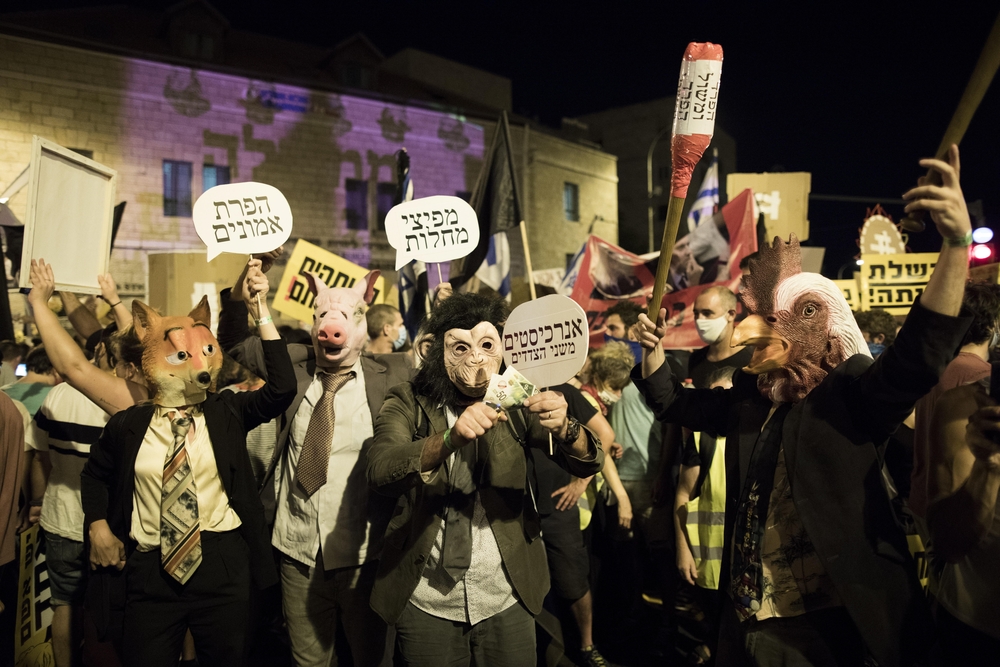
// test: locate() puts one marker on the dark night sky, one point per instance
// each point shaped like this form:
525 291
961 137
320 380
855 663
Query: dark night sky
853 92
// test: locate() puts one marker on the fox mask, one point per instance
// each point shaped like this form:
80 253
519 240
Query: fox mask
181 358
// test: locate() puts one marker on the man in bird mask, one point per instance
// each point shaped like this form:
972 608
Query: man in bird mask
816 568
463 571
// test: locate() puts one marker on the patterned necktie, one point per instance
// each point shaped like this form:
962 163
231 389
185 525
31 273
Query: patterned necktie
180 529
315 456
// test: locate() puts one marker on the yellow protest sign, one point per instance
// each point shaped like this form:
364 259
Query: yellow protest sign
33 613
893 282
293 297
850 291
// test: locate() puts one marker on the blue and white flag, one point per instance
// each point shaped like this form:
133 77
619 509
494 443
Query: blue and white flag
495 269
412 281
708 196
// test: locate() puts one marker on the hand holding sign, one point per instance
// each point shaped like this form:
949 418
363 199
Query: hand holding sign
432 229
546 339
242 218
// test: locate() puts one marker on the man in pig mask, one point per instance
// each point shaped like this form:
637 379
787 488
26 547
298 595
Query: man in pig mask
463 569
327 529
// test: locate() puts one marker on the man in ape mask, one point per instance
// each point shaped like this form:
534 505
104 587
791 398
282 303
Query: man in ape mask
463 571
815 565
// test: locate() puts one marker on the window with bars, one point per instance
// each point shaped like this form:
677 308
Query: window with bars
212 175
176 189
571 201
356 203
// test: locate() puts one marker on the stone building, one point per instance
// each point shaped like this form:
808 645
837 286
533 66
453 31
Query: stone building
178 101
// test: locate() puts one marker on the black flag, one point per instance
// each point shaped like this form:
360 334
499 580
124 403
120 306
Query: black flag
495 199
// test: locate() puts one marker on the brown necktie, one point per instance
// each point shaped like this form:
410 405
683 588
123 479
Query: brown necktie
180 528
314 459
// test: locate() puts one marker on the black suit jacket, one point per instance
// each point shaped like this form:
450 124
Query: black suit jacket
834 441
108 479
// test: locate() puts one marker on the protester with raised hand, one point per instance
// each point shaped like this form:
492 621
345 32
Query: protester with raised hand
814 554
111 392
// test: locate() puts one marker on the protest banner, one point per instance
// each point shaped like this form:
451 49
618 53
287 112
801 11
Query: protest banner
293 298
893 282
242 218
851 291
432 229
546 339
608 274
32 647
70 213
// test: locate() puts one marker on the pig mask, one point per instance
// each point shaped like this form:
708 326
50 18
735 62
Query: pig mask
339 330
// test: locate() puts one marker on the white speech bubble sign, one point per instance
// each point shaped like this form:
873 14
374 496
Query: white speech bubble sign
243 218
546 339
432 229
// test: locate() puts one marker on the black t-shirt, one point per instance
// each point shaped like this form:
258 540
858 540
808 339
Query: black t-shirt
548 475
700 369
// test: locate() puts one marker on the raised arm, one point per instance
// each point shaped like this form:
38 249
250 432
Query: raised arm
83 321
109 392
946 206
109 292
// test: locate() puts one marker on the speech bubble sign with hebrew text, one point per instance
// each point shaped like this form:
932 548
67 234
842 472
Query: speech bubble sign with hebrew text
546 339
244 218
432 229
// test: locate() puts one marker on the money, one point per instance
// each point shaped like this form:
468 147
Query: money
509 390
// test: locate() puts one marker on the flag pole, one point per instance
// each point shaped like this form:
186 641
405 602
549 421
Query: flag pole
527 258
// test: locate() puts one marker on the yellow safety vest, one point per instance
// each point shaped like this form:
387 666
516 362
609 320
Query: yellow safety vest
706 519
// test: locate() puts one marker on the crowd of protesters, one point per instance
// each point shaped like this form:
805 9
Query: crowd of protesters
812 487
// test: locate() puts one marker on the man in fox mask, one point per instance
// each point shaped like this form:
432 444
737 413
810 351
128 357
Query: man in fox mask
175 526
815 566
463 569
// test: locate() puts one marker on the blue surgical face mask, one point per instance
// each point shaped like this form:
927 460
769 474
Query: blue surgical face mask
633 345
400 339
876 349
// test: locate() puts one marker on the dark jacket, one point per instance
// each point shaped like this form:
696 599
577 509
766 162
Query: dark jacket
382 372
407 419
834 442
108 479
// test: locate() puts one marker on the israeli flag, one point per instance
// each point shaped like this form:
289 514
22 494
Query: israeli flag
495 269
708 196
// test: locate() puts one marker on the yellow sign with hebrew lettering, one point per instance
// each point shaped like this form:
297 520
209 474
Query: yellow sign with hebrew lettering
293 297
893 282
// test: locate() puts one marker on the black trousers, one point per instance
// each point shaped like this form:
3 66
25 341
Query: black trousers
213 604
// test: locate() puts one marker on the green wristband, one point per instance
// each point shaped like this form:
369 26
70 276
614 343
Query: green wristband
960 242
447 441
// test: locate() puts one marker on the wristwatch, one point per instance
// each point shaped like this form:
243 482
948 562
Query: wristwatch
572 430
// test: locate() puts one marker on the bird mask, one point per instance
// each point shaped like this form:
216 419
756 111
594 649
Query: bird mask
800 325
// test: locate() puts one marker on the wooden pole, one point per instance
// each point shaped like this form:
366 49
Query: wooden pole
674 209
527 258
979 83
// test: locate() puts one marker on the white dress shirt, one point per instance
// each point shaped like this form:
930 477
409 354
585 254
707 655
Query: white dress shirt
335 518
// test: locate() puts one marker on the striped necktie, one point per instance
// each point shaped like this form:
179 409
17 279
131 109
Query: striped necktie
180 529
314 460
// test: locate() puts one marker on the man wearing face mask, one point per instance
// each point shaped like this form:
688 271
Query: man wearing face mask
715 318
463 570
386 332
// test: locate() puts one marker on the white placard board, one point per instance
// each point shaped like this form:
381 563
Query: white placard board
71 202
546 339
432 229
242 218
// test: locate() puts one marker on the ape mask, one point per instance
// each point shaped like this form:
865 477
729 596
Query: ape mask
180 357
800 324
465 351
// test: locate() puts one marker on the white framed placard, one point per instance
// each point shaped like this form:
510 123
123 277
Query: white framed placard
71 201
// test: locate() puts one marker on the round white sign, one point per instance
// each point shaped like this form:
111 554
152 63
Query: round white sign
243 218
546 339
